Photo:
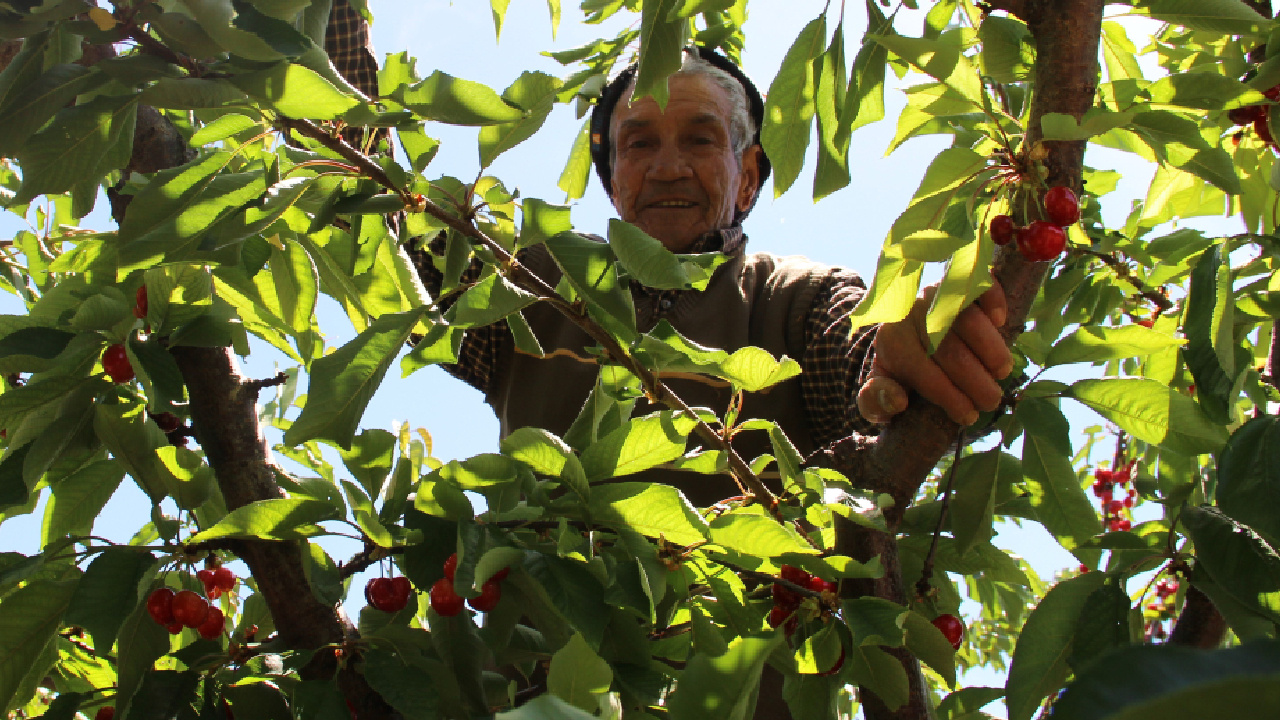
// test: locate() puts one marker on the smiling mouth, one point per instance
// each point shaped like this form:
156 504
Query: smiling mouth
671 204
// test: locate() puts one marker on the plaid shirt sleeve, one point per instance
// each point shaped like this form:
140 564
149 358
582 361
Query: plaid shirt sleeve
836 361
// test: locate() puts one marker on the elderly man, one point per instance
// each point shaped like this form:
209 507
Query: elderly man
688 174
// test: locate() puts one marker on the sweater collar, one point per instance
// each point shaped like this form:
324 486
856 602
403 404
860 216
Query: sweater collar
726 240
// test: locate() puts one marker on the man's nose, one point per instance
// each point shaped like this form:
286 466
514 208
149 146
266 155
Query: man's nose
669 163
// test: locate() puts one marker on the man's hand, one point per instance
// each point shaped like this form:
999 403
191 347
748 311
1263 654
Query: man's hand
960 377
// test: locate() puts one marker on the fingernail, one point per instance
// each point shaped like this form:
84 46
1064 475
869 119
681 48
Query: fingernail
1005 370
998 316
888 401
970 419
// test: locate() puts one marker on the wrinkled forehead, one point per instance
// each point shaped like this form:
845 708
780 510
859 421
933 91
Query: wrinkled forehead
693 100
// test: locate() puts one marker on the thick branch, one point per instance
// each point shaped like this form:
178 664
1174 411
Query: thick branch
225 419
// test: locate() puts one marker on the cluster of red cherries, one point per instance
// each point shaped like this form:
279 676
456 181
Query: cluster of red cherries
1166 588
786 601
1255 115
187 609
447 602
1114 508
1042 239
388 594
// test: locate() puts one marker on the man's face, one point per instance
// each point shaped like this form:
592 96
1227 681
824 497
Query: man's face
675 175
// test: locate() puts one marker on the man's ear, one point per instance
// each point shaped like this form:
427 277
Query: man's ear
748 178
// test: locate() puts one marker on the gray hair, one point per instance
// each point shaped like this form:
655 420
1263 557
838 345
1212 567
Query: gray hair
742 129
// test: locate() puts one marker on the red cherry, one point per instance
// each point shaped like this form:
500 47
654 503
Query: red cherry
1084 568
794 574
1042 241
224 579
779 615
115 362
1002 228
951 627
1061 206
785 597
382 594
1247 114
444 600
832 586
160 606
1146 323
1124 525
1261 127
490 594
213 625
501 574
1128 501
174 627
1102 475
190 609
205 576
450 566
401 589
140 308
1272 93
836 667
105 712
1116 507
166 421
1101 488
817 584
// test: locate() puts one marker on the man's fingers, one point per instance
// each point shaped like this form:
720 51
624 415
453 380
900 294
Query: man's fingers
880 398
967 372
975 328
919 372
993 303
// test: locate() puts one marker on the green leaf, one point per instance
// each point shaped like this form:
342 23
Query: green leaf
927 642
833 147
295 91
108 592
545 707
400 685
940 58
1103 625
649 509
647 260
1039 664
28 619
661 49
875 621
640 444
577 169
347 378
1097 344
141 642
193 94
24 349
78 499
1249 476
943 182
489 301
724 687
1008 53
1226 16
1177 140
871 667
1178 683
578 675
80 145
534 92
892 293
548 455
22 115
541 220
133 443
1210 342
1237 559
973 498
1056 494
452 100
1060 126
275 519
369 458
1153 413
963 704
757 535
966 279
752 369
789 107
589 267
1202 91
864 100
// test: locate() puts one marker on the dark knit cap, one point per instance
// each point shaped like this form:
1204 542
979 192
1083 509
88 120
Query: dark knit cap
602 116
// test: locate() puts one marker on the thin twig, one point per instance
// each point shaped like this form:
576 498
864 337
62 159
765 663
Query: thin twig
922 585
1122 271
